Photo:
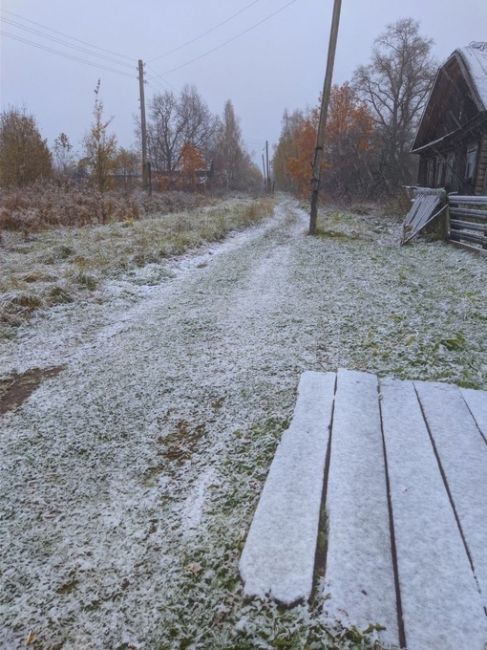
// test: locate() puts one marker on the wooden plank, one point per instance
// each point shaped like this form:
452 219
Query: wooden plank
441 604
359 573
471 249
471 237
462 454
279 554
466 212
425 207
477 404
467 199
468 225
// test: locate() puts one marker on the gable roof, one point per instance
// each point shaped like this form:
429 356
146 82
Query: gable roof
475 58
471 64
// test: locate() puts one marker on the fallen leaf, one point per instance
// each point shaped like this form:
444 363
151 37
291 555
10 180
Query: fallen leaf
194 568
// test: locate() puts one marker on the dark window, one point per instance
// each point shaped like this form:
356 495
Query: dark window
430 172
450 168
440 170
471 162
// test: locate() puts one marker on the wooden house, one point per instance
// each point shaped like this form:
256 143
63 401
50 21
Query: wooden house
452 136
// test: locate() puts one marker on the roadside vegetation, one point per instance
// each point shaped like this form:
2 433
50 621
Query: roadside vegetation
371 123
45 267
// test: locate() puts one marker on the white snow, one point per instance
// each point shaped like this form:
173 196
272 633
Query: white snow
359 575
279 554
463 456
98 523
441 604
475 56
477 403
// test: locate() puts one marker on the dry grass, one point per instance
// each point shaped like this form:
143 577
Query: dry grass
62 265
38 207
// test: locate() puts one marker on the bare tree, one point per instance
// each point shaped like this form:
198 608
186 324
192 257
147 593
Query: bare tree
64 159
175 122
164 132
229 148
395 85
24 155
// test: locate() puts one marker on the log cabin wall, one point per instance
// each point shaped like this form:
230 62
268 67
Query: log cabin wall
481 182
442 166
452 135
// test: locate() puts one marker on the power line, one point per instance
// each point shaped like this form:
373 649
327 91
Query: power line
230 40
203 34
62 42
153 73
64 54
73 38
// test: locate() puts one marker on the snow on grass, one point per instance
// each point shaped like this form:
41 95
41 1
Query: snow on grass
129 481
63 265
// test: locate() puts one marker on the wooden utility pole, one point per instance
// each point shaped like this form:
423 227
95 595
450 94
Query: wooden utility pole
264 174
325 100
143 127
267 172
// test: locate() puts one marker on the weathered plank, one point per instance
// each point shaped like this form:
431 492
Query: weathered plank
359 574
279 554
457 224
463 456
425 207
441 605
477 403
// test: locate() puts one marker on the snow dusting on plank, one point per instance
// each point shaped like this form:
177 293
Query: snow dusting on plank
477 403
463 456
441 604
359 574
279 555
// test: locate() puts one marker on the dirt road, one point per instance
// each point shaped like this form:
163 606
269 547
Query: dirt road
129 479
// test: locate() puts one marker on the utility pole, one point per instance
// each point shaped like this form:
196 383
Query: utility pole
325 100
267 172
264 174
143 127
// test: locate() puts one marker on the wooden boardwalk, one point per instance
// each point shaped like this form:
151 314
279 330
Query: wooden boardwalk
402 470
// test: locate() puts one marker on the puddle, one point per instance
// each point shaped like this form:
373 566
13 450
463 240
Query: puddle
15 389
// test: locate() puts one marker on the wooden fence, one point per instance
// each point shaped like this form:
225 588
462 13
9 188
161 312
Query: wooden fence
468 222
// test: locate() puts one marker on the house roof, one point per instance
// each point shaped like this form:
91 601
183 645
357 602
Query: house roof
471 61
475 58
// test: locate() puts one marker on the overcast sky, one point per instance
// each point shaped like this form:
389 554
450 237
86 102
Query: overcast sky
279 64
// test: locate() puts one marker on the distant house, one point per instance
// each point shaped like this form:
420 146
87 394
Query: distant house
452 136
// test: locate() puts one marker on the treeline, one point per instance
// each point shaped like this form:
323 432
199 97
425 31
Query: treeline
189 149
371 123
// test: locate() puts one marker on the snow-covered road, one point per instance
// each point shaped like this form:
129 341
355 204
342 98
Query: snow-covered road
129 480
97 502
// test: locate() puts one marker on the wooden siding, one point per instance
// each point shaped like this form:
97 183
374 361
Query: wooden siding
468 221
481 180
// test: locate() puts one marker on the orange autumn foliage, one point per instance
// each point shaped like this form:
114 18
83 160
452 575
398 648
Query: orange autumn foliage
191 161
348 134
299 165
348 118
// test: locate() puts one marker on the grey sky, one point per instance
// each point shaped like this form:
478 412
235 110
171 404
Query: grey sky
278 65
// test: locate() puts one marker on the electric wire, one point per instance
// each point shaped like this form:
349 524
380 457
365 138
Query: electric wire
203 34
73 38
154 74
62 42
65 55
233 38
